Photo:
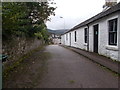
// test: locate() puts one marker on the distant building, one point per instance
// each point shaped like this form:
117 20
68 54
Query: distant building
55 35
56 39
99 34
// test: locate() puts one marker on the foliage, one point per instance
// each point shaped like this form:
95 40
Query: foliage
25 19
38 35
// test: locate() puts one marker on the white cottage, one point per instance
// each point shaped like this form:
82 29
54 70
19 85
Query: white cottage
99 34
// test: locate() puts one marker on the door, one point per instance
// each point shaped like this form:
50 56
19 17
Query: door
95 36
70 39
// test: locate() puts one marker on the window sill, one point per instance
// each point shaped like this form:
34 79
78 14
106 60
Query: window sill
114 48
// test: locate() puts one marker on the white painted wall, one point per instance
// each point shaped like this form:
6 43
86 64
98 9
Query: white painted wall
63 40
56 41
103 47
80 39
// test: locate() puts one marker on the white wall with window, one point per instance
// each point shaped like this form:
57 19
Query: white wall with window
81 38
108 34
112 30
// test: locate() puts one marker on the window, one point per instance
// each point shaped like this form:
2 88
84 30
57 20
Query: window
85 35
113 32
75 37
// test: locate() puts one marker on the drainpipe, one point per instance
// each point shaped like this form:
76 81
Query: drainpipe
118 45
87 37
1 46
119 37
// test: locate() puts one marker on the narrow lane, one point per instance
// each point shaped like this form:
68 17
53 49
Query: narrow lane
67 69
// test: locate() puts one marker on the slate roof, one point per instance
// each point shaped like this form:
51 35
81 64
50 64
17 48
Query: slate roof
111 10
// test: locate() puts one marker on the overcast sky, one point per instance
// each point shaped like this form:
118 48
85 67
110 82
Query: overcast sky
73 12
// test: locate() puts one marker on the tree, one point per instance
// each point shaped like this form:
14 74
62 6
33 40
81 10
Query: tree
25 18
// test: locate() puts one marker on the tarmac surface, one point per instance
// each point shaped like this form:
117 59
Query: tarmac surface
67 69
99 59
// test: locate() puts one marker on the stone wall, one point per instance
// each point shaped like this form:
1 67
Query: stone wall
18 47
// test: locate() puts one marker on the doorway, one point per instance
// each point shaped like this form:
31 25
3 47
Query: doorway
95 37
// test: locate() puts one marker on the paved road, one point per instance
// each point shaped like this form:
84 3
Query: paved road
67 69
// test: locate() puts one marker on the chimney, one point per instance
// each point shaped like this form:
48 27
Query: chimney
109 3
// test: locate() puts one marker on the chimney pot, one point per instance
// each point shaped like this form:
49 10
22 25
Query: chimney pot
109 3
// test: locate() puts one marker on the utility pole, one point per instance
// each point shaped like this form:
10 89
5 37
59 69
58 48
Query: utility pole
64 21
64 29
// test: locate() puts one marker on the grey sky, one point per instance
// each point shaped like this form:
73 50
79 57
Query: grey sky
73 12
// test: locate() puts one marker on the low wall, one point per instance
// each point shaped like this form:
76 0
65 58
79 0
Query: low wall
17 47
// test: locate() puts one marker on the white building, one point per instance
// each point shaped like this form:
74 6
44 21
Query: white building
56 39
100 34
